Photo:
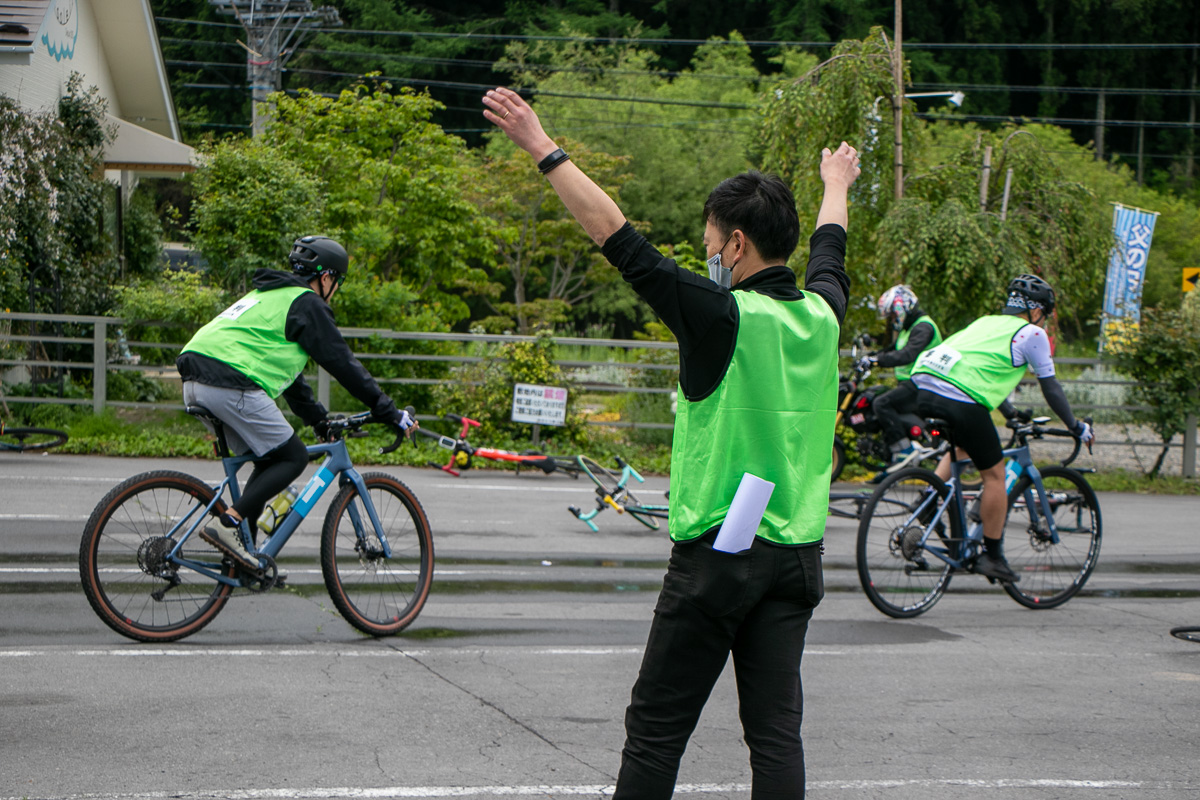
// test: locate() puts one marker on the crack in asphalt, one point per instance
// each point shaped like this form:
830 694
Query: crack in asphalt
514 720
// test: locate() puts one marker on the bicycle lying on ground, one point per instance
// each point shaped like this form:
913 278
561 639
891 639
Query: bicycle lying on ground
1189 633
28 440
149 576
916 534
612 491
462 451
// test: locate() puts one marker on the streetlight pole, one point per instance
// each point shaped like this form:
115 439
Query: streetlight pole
898 102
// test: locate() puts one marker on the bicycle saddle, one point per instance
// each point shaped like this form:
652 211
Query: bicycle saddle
221 446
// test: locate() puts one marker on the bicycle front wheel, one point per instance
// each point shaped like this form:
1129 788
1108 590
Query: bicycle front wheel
1051 574
123 563
378 595
899 576
28 440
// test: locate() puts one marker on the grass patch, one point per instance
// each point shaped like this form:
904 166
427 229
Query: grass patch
1123 480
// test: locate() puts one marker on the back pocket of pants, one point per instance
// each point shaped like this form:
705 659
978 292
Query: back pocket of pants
717 582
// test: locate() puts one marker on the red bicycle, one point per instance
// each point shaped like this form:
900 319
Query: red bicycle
462 452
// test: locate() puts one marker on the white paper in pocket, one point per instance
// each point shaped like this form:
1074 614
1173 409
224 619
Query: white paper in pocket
745 513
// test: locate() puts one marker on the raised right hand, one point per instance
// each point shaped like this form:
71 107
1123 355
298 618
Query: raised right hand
511 114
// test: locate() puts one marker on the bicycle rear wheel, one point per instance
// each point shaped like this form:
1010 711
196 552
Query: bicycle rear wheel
379 596
1188 633
1051 574
126 576
898 576
29 440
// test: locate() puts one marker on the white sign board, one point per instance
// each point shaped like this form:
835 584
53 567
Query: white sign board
540 405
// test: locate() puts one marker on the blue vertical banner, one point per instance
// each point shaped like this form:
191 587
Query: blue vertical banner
1133 229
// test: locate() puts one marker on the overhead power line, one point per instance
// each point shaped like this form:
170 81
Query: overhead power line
908 44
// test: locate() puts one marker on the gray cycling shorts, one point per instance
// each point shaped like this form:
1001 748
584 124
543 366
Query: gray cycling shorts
253 423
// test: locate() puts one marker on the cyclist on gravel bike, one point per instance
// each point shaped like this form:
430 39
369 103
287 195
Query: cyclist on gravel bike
253 352
913 332
969 375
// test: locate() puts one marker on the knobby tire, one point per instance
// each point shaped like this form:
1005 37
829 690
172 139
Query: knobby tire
379 596
121 564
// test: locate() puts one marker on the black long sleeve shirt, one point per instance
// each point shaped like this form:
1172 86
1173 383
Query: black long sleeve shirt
704 316
311 325
919 337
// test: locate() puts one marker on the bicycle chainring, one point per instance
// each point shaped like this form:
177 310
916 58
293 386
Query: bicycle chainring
262 579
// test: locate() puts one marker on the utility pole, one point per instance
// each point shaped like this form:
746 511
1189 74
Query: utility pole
898 102
274 29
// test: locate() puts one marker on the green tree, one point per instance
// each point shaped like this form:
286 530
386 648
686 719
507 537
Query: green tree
1162 355
52 200
845 98
683 132
546 260
394 184
251 203
959 251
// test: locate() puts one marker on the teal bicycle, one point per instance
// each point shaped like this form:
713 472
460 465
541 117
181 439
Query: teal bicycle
916 531
149 576
612 491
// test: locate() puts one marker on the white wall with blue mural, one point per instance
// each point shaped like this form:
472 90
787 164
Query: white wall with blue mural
61 29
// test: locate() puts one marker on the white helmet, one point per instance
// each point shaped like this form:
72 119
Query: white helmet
897 301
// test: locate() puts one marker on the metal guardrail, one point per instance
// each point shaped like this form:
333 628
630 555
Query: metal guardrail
99 367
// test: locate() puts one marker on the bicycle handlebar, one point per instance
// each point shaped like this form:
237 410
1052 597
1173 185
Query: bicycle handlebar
355 422
1030 429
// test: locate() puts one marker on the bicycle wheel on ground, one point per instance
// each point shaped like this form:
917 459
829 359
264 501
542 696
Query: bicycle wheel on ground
900 577
1188 633
379 596
1051 574
648 515
839 459
123 563
29 440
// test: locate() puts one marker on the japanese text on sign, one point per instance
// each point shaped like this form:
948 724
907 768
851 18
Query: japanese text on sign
540 405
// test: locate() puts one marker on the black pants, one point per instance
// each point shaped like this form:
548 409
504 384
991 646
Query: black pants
755 605
890 405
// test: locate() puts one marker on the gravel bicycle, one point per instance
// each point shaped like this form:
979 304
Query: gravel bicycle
911 539
612 491
149 576
28 440
462 452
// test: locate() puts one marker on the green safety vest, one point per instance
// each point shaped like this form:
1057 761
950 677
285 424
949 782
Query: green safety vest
904 371
978 359
248 336
772 415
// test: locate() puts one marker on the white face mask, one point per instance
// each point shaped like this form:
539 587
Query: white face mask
717 272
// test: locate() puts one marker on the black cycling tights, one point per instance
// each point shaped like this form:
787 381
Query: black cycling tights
272 474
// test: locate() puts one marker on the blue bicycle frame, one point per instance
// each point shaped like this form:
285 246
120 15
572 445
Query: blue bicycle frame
626 472
337 462
1020 462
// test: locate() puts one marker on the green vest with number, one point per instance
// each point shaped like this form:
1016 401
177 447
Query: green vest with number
248 336
772 415
904 371
978 359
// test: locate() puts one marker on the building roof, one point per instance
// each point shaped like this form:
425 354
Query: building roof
20 21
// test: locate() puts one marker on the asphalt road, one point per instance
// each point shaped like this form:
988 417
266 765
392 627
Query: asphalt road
514 679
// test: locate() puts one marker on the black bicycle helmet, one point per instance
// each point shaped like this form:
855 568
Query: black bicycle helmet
316 255
1026 292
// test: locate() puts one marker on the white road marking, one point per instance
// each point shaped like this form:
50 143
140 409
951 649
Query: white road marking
602 790
525 487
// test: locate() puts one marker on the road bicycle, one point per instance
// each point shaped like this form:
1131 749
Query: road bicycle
149 575
851 504
462 452
612 491
1189 633
28 440
911 539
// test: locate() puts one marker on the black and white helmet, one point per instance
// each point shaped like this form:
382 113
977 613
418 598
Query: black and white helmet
1027 292
316 255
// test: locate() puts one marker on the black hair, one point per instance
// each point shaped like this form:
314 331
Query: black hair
762 207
